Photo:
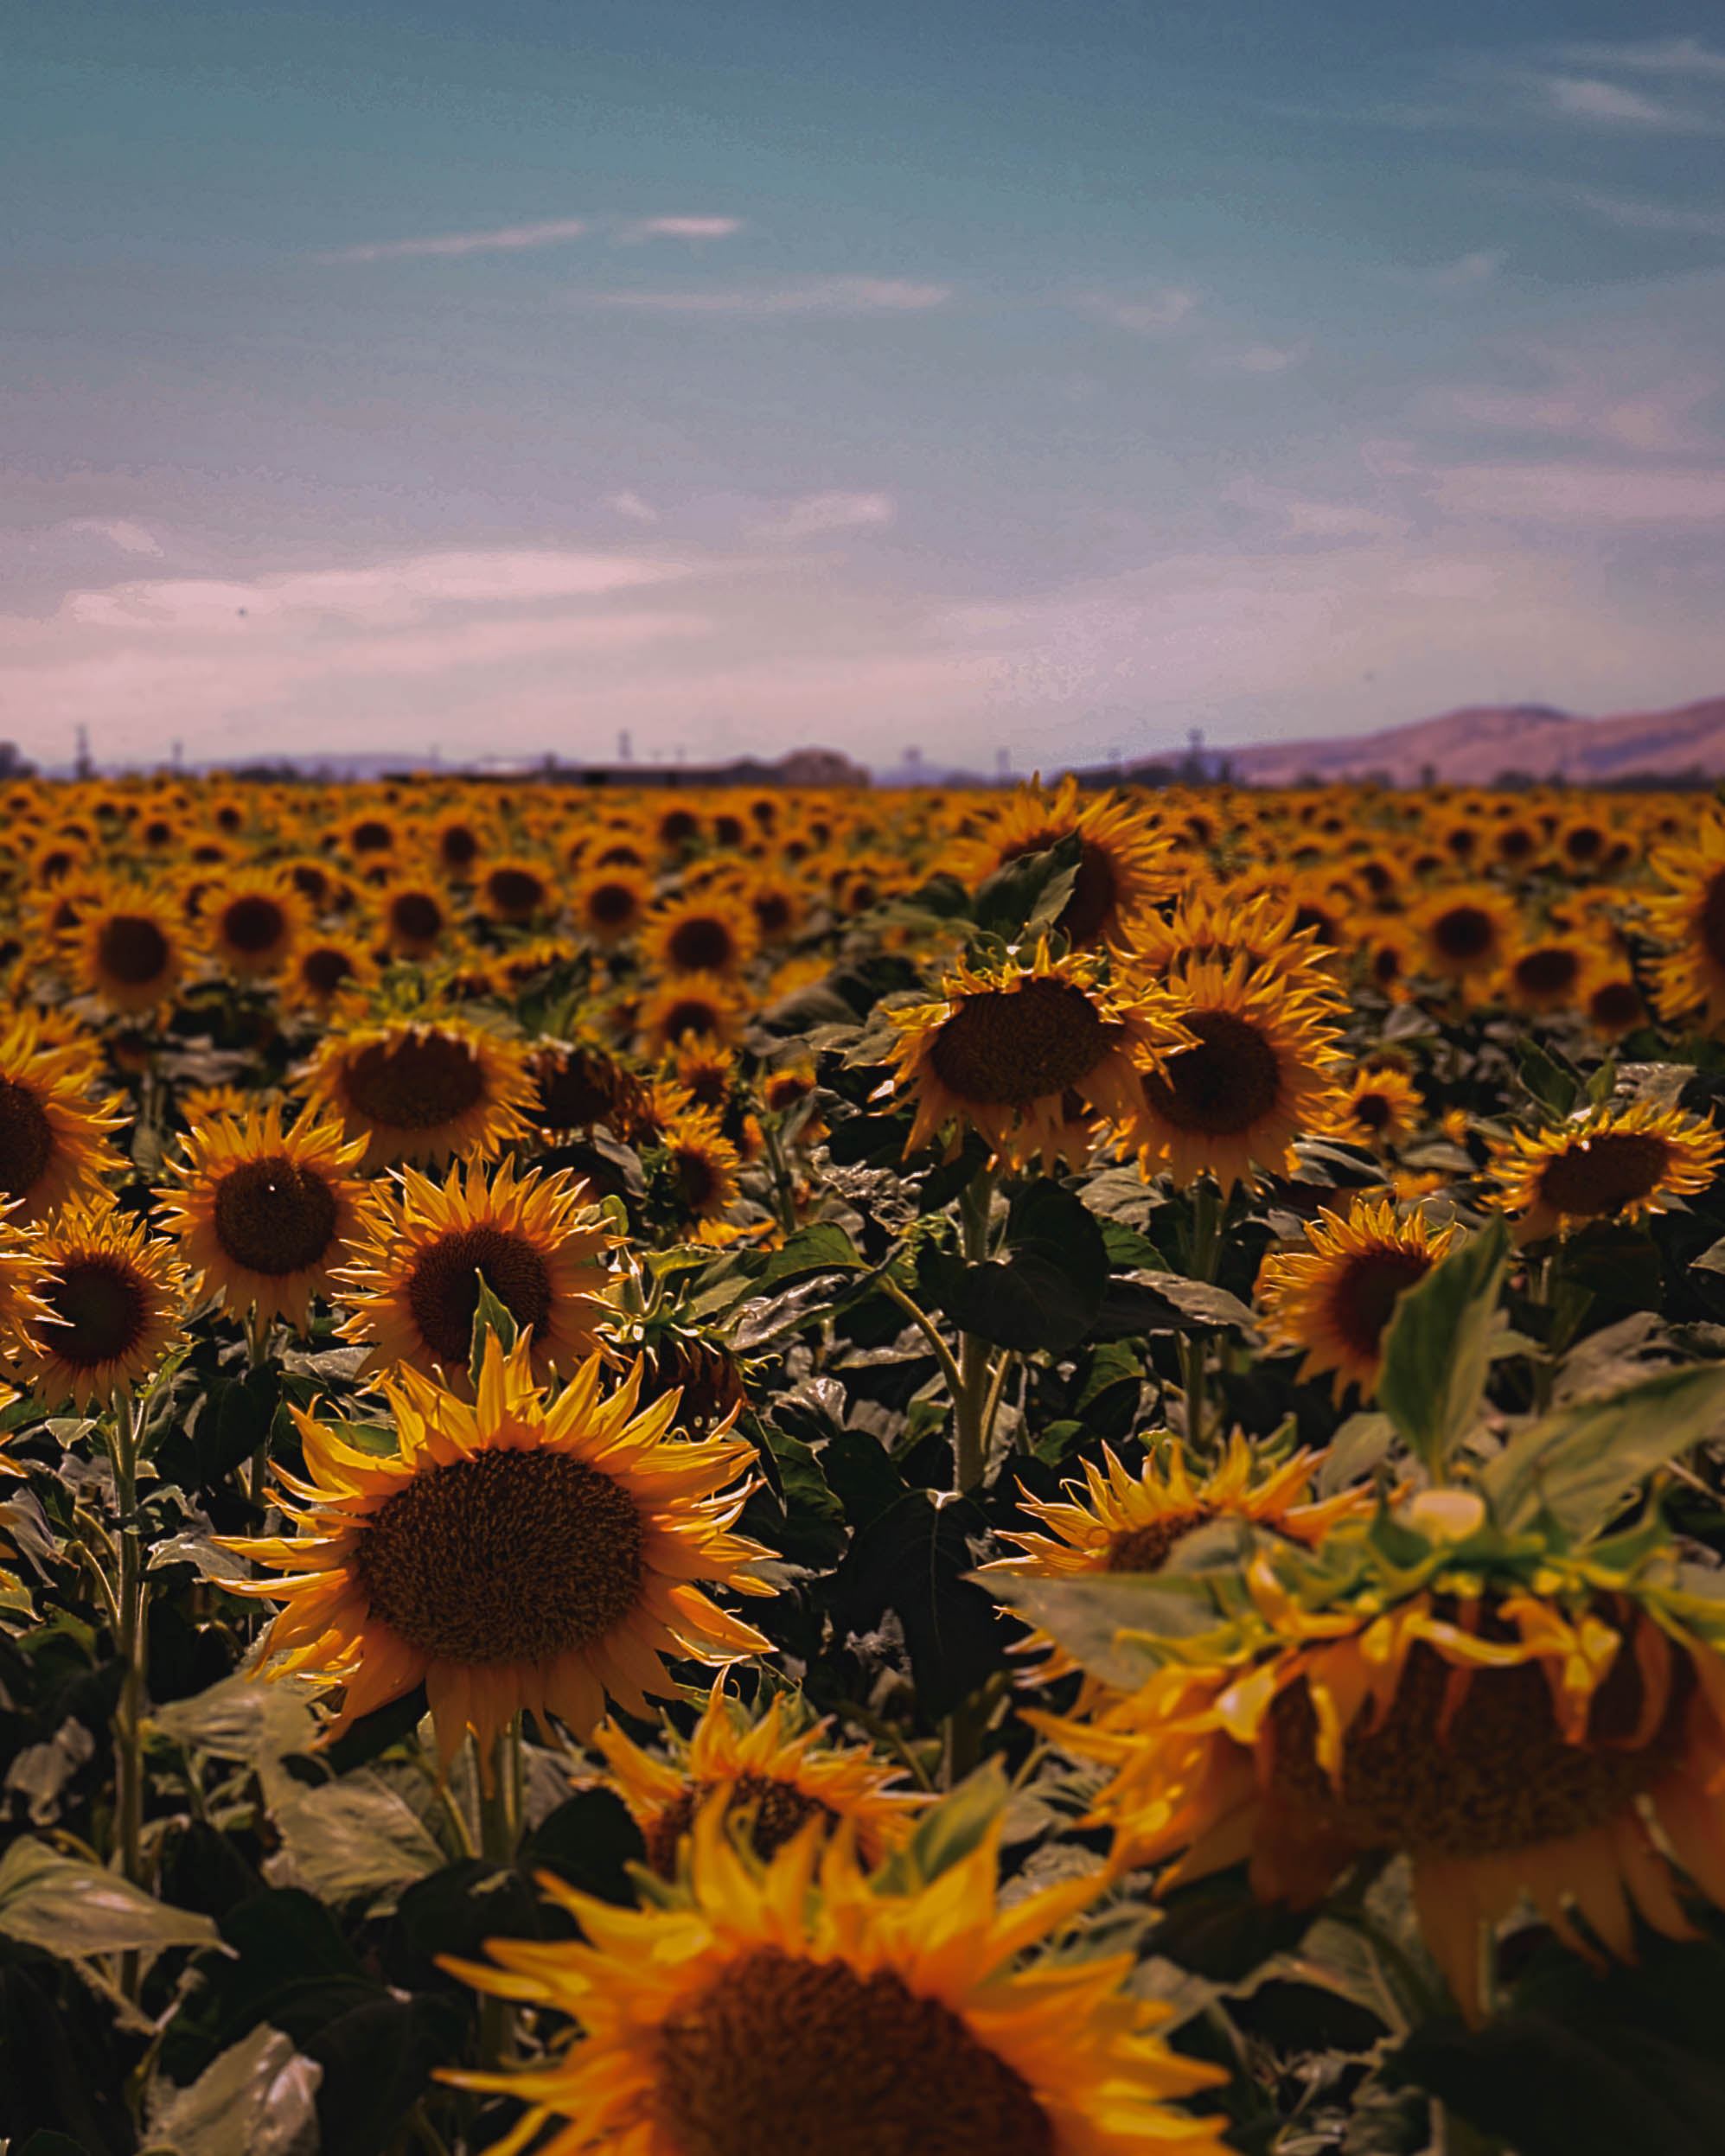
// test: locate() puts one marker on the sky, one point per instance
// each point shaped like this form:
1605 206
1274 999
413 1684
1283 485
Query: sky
984 378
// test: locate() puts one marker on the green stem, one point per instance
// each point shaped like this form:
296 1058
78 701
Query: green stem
500 1831
1203 1250
883 1733
969 1436
126 1433
784 1197
929 1331
993 1406
258 1332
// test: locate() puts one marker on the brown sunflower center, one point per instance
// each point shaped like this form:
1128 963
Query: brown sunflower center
372 836
1146 1549
1599 1175
1710 918
416 1082
274 1216
132 950
417 917
253 924
443 1292
779 2052
1616 1004
573 1091
101 1309
508 1556
612 905
700 1179
324 971
1228 1083
458 846
780 1810
1093 902
1366 1291
1373 1112
1462 934
772 912
26 1139
1503 1777
702 944
1548 971
1001 1048
515 891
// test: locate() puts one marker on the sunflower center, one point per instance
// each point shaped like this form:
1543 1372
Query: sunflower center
1365 1293
372 836
508 1556
1616 1004
415 1083
458 846
516 891
611 905
1463 933
324 971
780 1810
702 944
691 1014
1550 972
772 912
1599 1175
417 916
444 1292
26 1139
1502 1779
1228 1082
1091 905
101 1311
573 1090
253 924
779 2052
700 1177
1146 1549
1372 1112
132 950
1007 1049
274 1216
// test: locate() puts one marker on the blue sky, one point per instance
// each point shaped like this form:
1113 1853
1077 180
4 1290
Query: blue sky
979 377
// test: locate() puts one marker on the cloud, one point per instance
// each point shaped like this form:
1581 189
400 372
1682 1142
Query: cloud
1631 214
1466 271
1303 517
1590 98
629 504
1574 493
681 228
503 240
1264 359
1684 57
1154 314
821 295
814 515
121 532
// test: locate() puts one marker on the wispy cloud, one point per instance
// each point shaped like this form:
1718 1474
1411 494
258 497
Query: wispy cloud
1576 491
550 231
1591 98
815 515
121 532
1686 58
1459 276
628 503
1148 314
1264 359
1630 213
679 228
820 295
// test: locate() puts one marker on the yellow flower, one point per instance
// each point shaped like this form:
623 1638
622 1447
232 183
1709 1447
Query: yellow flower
701 1165
1690 917
1334 1298
1466 931
1015 1049
109 1301
54 1140
520 1552
1122 861
1380 1109
413 1278
252 922
130 948
692 1003
1615 1164
263 1214
714 935
781 1777
423 1090
799 2006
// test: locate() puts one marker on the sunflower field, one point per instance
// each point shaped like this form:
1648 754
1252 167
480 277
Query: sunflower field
789 1474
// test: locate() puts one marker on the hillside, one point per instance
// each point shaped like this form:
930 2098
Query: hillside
1474 745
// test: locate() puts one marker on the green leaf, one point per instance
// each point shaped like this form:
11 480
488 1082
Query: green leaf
1111 1625
822 1246
355 1837
68 1907
949 1832
1437 1347
1047 1287
259 2083
1580 1465
490 1316
1552 1080
1029 893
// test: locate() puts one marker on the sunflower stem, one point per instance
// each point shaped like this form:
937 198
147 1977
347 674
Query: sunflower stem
1203 1250
929 1331
970 1442
500 1831
126 1438
785 1195
258 1331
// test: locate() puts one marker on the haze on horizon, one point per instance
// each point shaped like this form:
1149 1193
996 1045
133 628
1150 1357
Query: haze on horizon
970 375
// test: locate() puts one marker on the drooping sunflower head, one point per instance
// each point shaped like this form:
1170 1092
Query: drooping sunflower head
107 1299
265 1213
1609 1163
422 1090
901 2021
519 1551
1334 1297
1259 1073
1014 1049
778 1769
131 948
54 1142
1122 861
416 1269
252 923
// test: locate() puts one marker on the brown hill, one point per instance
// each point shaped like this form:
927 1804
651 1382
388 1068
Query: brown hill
1474 746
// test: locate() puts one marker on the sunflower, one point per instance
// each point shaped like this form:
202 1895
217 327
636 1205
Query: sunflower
263 1214
516 891
1519 1720
1688 915
782 1774
53 1139
324 970
109 1301
705 1070
777 905
458 843
519 1552
414 1277
1614 1005
412 916
1216 927
1334 1298
1010 1046
1380 1109
1465 932
696 1165
1610 1163
1548 973
709 936
799 2006
1122 860
130 949
693 1003
423 1090
611 904
1260 1073
579 1083
252 923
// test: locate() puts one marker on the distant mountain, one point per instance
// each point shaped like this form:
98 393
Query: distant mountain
1482 742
